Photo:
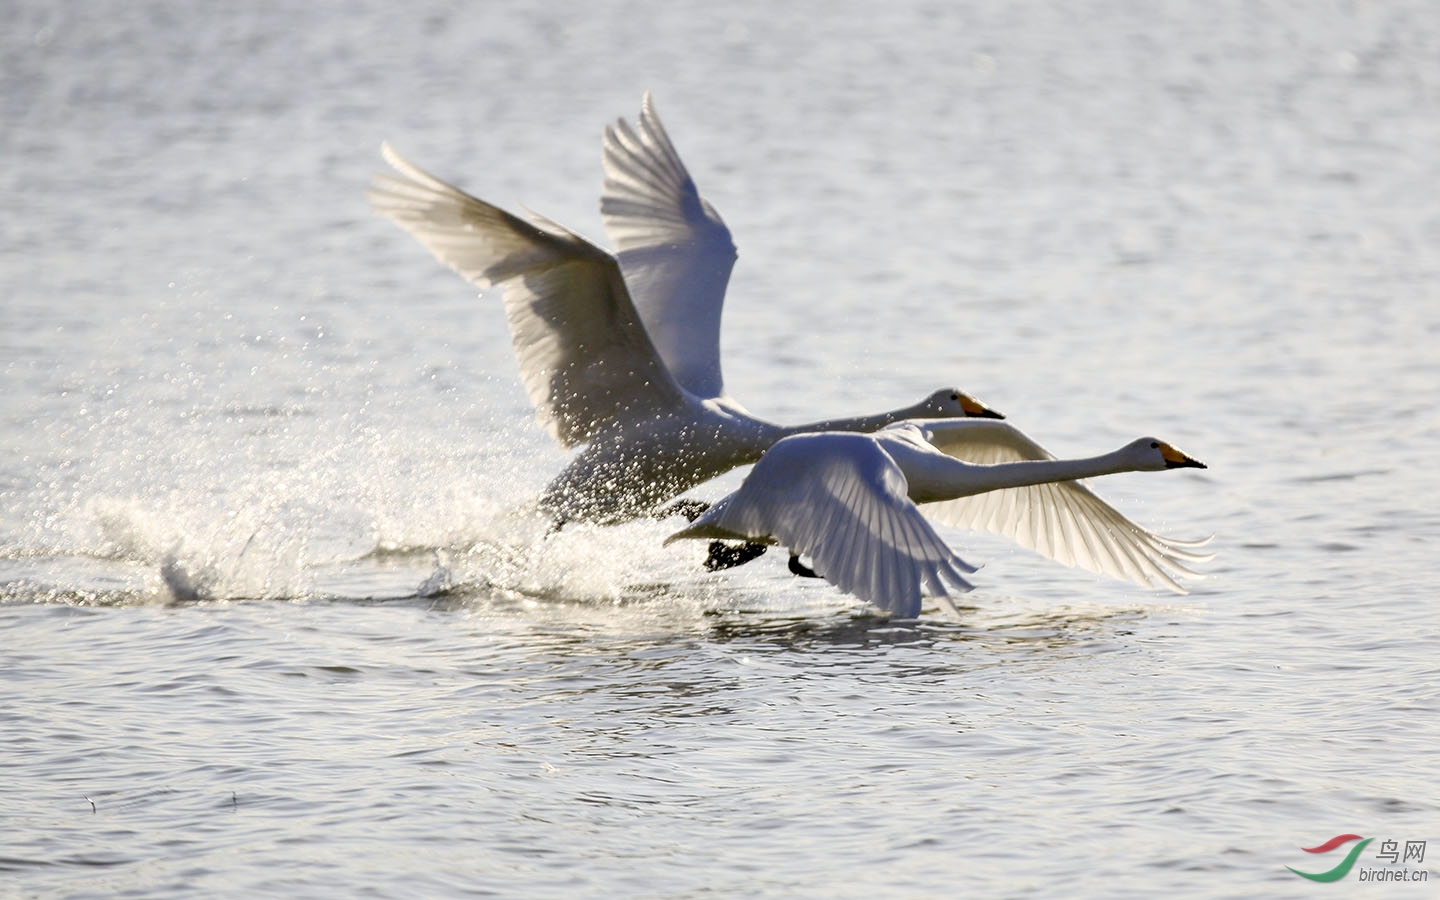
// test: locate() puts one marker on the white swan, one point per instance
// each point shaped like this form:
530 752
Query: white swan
628 364
849 502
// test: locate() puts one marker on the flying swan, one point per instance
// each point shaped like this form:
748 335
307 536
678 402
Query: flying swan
619 353
850 503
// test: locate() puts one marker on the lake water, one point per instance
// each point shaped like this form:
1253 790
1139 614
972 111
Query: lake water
1216 223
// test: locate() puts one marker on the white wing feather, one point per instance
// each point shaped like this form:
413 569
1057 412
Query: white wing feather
583 354
841 500
674 249
1063 520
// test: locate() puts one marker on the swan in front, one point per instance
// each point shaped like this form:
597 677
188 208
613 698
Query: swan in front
852 504
620 353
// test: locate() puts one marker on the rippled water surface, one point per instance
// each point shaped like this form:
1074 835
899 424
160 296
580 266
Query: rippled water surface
277 622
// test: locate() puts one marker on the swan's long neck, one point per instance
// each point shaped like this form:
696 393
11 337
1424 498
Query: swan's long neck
952 478
863 424
762 435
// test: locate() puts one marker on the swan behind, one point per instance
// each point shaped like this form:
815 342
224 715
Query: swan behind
634 377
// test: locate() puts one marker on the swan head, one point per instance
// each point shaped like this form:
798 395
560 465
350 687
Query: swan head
953 403
1152 454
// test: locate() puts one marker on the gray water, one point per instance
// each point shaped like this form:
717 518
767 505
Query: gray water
276 622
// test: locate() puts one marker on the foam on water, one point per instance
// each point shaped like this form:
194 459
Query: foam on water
346 529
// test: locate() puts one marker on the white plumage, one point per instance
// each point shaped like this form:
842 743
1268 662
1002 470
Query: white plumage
849 502
674 249
626 364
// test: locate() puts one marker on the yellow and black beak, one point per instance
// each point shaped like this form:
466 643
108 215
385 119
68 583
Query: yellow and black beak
975 409
1174 459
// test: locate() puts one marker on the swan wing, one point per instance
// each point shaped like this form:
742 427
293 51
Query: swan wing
673 248
584 356
840 499
1064 520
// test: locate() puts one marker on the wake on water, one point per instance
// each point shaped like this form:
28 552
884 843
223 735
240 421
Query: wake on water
436 538
285 552
377 514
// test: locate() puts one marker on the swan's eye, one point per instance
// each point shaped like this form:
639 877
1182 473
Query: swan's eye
1154 445
955 397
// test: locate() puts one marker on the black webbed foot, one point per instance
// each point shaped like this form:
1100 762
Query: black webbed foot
728 556
690 509
800 568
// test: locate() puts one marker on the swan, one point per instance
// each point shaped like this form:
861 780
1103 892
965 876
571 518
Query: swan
851 503
619 353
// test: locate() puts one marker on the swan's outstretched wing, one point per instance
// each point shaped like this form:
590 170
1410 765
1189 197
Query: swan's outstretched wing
583 353
841 500
675 251
1063 520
